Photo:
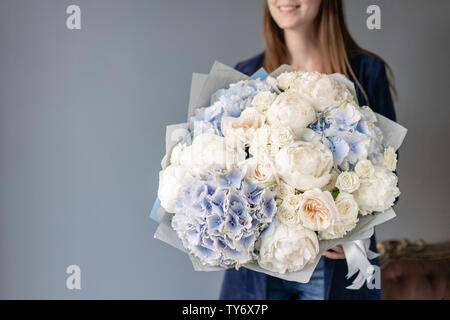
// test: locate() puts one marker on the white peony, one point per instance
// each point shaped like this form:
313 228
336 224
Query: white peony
263 100
290 110
347 181
261 170
170 186
244 126
317 210
390 159
378 193
321 90
304 165
364 169
287 248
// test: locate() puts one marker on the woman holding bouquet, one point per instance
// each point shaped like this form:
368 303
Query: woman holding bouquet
312 35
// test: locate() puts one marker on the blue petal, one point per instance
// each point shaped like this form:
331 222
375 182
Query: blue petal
233 178
338 147
214 223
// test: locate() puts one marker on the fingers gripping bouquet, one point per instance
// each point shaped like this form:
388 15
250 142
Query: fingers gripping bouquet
268 173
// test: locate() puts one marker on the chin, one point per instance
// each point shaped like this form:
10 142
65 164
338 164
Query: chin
290 23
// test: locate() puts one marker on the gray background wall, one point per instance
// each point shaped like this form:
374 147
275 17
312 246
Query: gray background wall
82 118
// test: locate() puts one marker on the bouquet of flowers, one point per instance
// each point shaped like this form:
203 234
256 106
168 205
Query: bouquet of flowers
271 171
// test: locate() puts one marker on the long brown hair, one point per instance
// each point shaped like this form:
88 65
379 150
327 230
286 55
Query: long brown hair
337 45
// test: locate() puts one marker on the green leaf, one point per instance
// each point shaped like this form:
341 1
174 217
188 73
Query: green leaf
335 193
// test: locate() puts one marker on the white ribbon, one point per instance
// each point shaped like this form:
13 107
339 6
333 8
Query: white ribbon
357 254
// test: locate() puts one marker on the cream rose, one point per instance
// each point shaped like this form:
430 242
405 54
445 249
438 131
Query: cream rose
263 100
304 165
261 170
379 193
347 182
244 126
390 159
364 169
317 210
290 110
287 248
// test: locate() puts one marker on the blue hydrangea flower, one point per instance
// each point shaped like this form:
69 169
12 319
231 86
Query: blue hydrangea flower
220 215
350 133
226 103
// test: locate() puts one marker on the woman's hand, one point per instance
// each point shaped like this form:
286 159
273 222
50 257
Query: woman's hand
335 253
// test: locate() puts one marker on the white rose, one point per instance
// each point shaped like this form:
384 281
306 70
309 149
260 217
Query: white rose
390 159
286 80
260 143
287 215
287 248
347 206
261 170
339 230
364 169
263 100
347 182
304 165
292 201
321 90
280 137
317 210
210 150
378 193
170 186
268 140
290 110
284 190
244 126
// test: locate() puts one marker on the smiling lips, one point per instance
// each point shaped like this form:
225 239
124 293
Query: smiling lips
288 9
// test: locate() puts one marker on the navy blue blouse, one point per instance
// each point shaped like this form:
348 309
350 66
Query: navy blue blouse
246 284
